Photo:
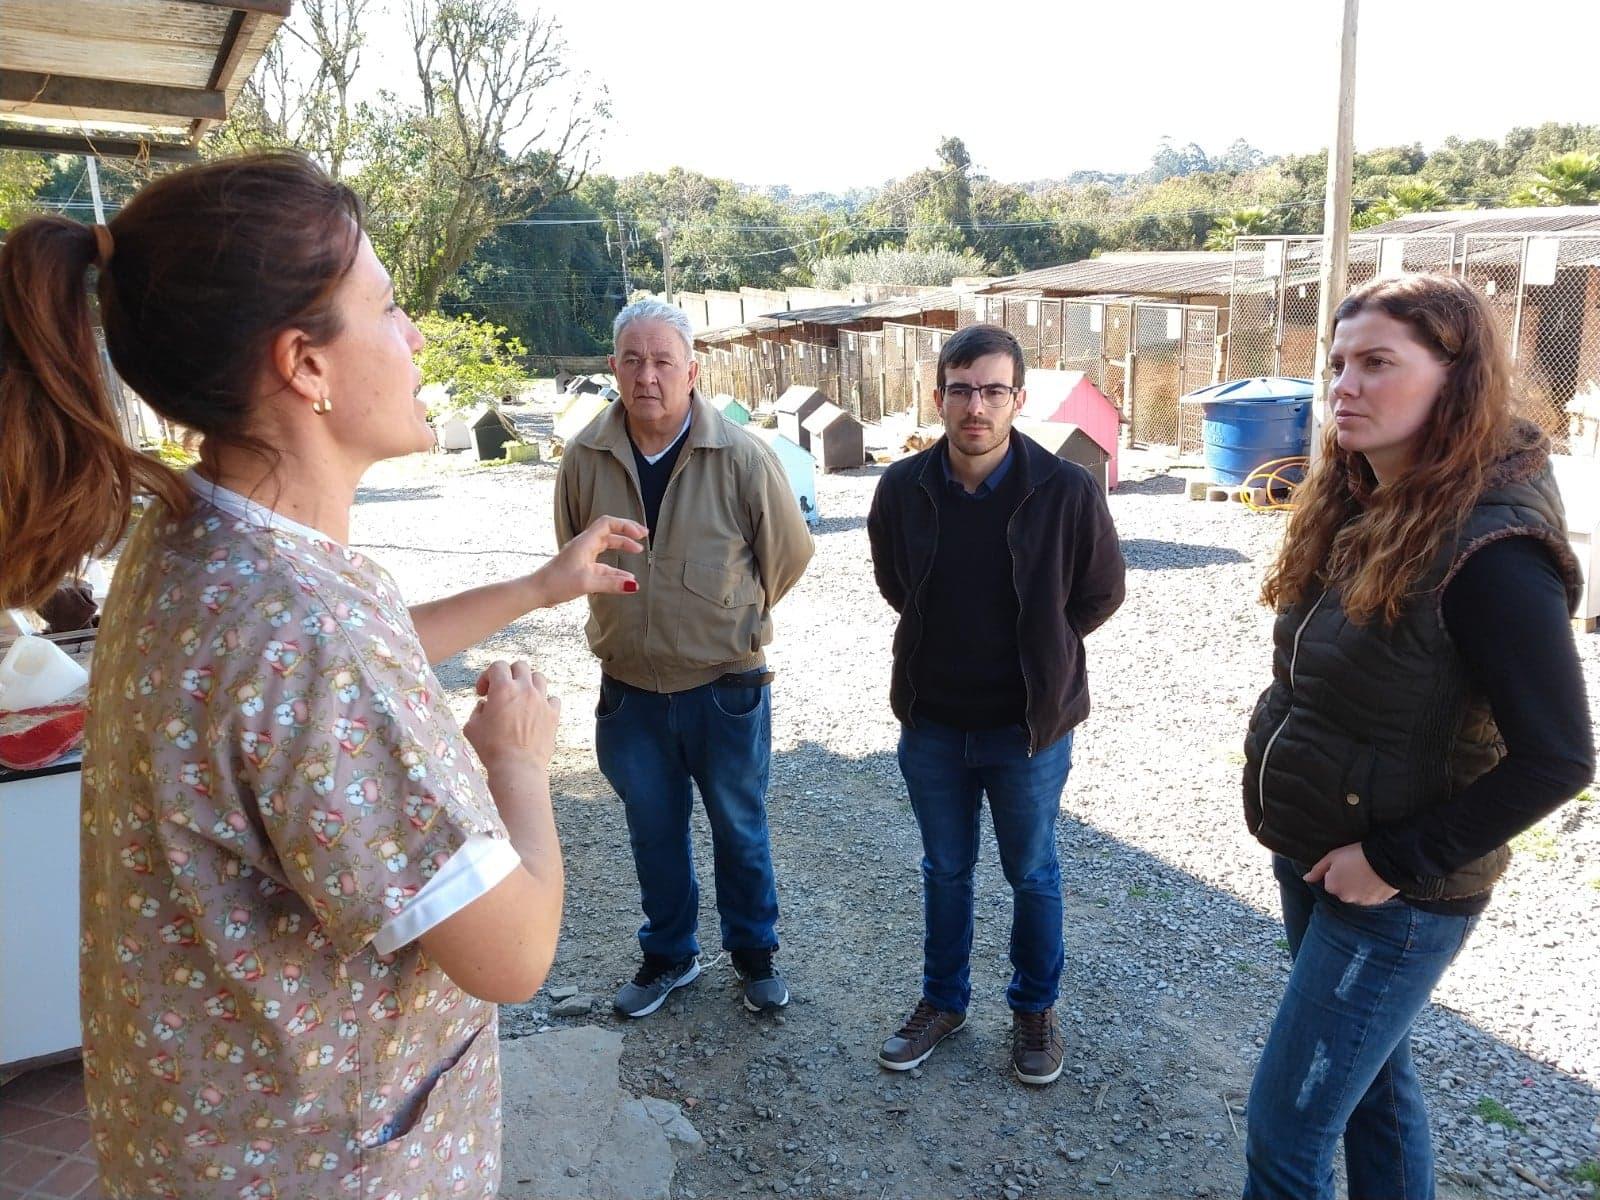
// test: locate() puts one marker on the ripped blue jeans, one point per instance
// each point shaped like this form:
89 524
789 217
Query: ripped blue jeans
1338 1060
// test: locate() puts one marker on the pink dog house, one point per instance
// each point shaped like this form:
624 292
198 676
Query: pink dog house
1069 398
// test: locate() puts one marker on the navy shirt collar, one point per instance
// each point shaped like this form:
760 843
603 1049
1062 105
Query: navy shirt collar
988 486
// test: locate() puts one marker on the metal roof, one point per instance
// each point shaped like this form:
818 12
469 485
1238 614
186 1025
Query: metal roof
126 77
1156 273
1571 219
943 300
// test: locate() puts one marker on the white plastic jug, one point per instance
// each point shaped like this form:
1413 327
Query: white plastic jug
36 672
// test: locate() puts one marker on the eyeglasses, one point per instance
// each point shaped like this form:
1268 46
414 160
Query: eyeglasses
995 395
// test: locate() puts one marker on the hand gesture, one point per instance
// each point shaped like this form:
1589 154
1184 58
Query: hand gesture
576 570
514 724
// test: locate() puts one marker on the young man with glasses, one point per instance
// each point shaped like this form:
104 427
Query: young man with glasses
999 558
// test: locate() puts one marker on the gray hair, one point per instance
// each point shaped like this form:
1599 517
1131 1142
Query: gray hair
651 309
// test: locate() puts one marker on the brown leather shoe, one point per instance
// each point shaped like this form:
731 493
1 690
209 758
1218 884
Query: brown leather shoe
924 1029
1036 1047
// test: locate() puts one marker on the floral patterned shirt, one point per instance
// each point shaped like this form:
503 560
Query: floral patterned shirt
270 773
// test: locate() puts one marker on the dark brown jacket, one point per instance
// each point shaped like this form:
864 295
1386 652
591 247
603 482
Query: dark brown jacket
1066 567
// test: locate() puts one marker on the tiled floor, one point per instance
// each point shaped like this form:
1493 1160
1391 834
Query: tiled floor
44 1137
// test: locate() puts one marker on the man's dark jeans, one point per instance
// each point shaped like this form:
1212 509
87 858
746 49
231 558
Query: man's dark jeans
650 745
948 772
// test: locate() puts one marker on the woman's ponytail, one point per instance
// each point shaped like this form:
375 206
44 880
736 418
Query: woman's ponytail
67 474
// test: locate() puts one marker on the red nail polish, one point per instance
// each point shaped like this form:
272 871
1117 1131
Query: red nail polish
630 585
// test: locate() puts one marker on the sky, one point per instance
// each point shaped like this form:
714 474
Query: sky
826 96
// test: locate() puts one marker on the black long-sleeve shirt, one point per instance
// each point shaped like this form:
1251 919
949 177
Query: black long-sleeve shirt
1506 611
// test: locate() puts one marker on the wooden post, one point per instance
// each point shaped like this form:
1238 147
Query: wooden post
1335 220
666 260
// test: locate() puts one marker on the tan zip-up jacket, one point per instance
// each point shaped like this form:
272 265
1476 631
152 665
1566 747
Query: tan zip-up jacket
729 544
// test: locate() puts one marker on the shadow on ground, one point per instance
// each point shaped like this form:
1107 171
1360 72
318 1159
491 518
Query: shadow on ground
1168 986
1146 554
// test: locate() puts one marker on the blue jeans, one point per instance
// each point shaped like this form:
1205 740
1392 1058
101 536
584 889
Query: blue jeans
650 745
1338 1059
948 773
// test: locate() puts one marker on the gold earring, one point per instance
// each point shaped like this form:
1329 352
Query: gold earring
322 406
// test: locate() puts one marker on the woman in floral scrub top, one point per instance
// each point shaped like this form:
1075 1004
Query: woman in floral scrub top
300 892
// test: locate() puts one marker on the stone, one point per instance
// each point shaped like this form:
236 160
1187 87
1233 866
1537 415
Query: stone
571 1132
562 991
573 1006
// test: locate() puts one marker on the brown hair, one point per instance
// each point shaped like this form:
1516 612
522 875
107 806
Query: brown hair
1377 541
207 266
979 341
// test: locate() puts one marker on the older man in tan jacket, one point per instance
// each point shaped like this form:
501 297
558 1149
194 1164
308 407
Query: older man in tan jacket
684 688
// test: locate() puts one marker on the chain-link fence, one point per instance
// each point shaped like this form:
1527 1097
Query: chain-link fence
861 374
1174 352
811 364
1544 288
1142 355
1277 290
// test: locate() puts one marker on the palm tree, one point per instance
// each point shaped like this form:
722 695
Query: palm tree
1401 199
1571 178
1241 222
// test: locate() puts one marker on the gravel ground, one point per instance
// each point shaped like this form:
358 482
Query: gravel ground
1174 956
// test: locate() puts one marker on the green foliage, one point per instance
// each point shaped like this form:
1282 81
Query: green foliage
1588 1172
21 177
475 359
1240 223
1414 196
1571 178
932 268
1494 1113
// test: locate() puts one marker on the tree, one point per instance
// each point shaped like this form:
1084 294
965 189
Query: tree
475 359
928 268
300 93
1571 178
1241 222
21 177
1414 197
488 145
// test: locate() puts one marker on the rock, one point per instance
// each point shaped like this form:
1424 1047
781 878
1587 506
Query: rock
573 1006
562 991
570 1131
673 1123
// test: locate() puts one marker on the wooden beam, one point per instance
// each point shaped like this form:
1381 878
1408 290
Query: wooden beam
73 91
271 8
235 42
12 138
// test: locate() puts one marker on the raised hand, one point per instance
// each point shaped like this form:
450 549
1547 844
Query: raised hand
576 570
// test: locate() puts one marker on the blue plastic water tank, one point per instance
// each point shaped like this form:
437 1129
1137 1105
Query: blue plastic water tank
1248 422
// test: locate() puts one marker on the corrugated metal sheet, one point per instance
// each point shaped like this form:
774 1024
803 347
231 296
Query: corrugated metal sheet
1493 220
1176 273
943 300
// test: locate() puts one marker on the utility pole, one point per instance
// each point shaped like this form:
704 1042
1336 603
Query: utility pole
666 259
622 247
1336 220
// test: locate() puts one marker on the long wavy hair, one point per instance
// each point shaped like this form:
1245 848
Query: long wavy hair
1377 541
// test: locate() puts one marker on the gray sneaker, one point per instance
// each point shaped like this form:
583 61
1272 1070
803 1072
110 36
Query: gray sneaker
657 979
764 988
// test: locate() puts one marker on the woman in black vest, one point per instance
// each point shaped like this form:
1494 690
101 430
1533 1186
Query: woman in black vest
1427 705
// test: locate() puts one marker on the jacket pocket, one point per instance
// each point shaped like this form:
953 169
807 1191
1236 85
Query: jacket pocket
1355 795
720 615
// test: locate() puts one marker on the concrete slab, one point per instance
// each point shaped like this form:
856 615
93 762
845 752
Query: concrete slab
573 1133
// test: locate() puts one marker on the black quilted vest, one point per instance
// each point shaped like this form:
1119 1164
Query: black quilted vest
1364 725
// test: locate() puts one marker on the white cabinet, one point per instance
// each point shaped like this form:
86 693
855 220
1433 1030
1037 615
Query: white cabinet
39 914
